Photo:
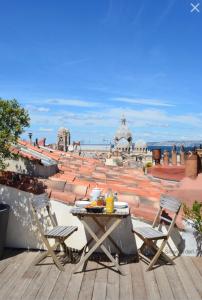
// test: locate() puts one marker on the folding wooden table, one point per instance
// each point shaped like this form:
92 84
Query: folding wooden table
114 219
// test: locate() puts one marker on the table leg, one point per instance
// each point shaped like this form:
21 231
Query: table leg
109 237
99 243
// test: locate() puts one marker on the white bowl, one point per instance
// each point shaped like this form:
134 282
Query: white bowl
120 205
81 203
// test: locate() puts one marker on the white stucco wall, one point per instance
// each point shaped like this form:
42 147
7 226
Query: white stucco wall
22 231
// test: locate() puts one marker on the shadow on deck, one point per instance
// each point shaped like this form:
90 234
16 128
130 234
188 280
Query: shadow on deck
19 279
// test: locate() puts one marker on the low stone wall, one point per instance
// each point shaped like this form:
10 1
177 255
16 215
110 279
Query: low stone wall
31 168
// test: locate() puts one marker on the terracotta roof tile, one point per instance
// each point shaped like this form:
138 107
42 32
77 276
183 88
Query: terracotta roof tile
176 173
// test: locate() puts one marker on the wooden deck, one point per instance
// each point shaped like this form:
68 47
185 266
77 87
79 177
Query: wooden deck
20 280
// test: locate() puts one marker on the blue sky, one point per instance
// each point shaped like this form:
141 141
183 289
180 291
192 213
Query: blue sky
82 64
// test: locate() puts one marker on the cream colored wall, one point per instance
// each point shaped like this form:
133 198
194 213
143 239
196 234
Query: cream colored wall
21 229
22 232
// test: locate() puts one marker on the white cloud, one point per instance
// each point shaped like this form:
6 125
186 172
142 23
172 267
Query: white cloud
149 102
72 102
151 124
43 109
111 117
31 107
45 129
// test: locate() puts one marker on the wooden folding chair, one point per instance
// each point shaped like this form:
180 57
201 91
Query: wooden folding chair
39 205
150 235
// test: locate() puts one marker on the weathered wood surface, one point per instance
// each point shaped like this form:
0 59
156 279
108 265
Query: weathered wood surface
20 279
79 212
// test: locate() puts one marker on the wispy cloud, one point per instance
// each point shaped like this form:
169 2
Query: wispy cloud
31 107
73 102
149 102
90 124
138 14
168 8
109 118
42 129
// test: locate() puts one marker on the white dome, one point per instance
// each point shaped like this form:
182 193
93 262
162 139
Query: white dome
62 130
140 144
123 132
122 143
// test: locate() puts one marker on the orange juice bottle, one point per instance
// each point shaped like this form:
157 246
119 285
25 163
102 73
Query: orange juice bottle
109 202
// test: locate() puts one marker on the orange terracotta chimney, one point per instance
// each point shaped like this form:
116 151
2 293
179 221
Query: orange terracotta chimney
191 165
174 156
166 158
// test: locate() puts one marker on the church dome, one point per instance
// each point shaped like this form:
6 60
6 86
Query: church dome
62 130
140 144
123 132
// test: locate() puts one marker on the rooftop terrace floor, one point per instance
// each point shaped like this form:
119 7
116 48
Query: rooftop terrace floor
19 279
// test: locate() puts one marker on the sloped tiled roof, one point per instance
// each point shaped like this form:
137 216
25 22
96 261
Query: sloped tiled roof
78 175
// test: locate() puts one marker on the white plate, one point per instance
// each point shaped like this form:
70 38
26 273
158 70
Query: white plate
120 205
82 203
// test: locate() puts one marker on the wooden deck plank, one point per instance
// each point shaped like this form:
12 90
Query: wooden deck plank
8 265
62 283
138 282
8 257
74 285
22 266
8 274
49 283
198 263
126 288
163 284
112 292
151 285
186 280
175 283
87 287
37 281
100 285
22 282
194 273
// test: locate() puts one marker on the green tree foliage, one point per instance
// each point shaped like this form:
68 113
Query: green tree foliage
13 119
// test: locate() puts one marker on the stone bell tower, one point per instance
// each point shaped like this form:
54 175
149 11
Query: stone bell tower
63 139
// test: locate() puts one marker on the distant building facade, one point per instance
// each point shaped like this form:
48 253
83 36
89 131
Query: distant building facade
63 139
141 152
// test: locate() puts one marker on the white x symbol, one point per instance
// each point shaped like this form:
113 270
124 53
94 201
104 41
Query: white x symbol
195 7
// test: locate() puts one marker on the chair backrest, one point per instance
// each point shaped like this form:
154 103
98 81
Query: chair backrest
172 204
40 203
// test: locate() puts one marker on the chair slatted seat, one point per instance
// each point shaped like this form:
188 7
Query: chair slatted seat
60 231
39 204
150 235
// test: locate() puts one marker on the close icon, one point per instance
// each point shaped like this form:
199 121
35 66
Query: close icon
195 7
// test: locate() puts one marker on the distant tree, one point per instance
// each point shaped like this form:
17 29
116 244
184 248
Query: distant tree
13 119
